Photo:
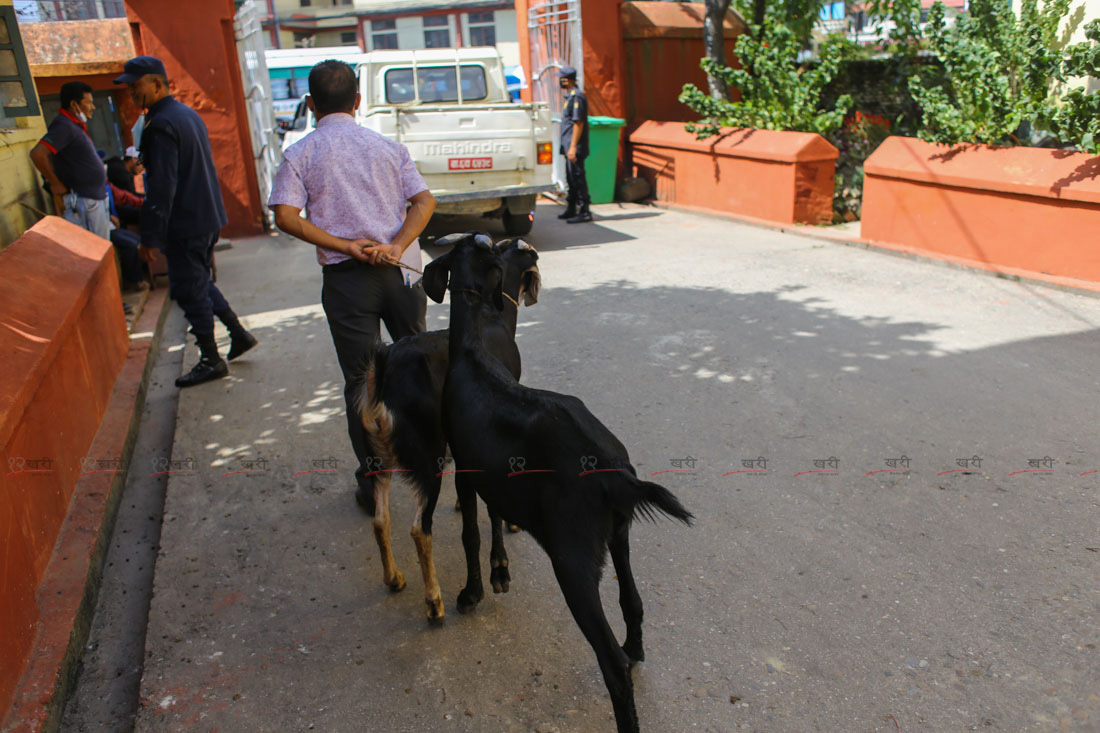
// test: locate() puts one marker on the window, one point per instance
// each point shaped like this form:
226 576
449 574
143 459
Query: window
299 85
348 39
440 38
17 95
303 40
383 33
304 3
483 30
436 84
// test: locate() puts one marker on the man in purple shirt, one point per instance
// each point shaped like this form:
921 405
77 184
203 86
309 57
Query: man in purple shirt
354 184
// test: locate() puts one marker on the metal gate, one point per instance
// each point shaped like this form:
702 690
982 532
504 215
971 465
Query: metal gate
266 152
554 28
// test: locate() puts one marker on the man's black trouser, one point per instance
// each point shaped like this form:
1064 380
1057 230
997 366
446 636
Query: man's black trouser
355 297
189 283
575 178
126 244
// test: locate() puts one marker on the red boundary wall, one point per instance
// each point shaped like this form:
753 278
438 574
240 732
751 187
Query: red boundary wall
196 43
1005 209
663 45
63 336
777 176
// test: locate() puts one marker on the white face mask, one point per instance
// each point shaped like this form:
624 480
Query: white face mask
81 116
137 129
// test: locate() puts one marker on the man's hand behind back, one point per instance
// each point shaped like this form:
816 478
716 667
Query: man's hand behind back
382 255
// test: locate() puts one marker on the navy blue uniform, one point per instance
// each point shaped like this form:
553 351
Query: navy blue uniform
75 160
183 210
576 110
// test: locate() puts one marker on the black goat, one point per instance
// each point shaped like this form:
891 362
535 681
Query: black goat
400 405
574 491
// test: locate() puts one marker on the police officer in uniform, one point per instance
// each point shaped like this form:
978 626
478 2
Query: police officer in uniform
574 146
183 213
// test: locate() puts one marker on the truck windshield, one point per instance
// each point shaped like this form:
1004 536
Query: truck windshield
436 83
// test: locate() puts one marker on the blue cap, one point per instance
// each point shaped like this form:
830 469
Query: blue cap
567 72
138 67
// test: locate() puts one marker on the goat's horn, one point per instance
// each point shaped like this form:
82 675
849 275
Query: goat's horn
450 239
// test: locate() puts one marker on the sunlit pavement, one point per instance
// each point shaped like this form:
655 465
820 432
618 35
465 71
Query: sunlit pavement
828 584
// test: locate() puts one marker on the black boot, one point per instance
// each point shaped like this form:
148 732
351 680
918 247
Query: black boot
210 366
241 340
583 215
569 213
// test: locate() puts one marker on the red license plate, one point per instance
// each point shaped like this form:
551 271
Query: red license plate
469 164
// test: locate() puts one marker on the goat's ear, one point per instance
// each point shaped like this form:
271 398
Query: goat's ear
529 286
436 275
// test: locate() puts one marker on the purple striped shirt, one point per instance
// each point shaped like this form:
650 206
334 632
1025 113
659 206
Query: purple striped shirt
352 182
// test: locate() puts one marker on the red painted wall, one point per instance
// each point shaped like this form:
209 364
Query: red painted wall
762 174
604 57
199 53
663 45
1001 209
62 354
604 67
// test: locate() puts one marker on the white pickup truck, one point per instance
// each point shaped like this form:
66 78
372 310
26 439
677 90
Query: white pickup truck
479 152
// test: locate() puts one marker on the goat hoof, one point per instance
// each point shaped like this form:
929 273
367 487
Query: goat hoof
435 612
513 528
468 600
500 578
634 653
398 583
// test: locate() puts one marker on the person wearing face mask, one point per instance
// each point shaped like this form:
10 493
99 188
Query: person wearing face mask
574 146
183 213
66 157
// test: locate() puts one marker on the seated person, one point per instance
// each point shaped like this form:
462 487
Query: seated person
126 242
122 169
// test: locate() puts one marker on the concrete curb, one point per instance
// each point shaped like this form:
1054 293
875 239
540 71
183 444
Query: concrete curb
67 594
1064 284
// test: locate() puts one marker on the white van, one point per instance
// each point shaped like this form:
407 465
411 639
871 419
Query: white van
479 152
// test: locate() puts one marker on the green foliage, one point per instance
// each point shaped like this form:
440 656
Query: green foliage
1000 75
798 15
777 94
905 36
1077 118
855 140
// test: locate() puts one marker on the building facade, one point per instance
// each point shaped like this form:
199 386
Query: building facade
393 24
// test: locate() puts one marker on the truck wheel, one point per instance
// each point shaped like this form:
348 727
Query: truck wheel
517 225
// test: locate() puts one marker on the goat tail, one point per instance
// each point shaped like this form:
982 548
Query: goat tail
656 498
376 417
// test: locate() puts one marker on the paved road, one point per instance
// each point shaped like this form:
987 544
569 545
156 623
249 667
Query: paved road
865 600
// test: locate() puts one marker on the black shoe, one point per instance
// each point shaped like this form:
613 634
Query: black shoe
205 371
365 500
241 342
579 218
567 214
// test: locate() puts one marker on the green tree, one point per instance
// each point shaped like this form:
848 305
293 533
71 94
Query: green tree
798 15
1076 118
776 92
998 71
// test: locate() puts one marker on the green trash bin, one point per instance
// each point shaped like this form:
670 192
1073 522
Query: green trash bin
603 157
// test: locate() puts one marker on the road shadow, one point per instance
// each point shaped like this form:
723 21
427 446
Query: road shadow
813 598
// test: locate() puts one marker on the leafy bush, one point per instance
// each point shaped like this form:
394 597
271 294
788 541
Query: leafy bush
856 140
1077 118
1002 74
776 92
